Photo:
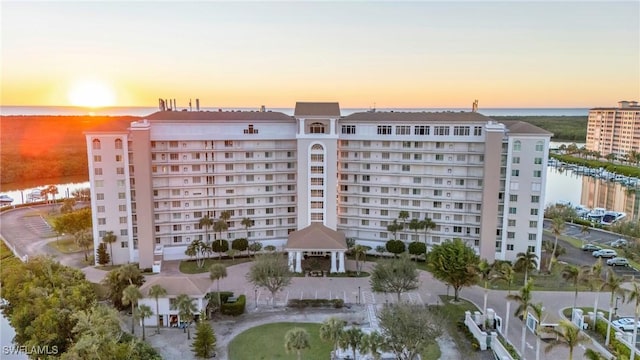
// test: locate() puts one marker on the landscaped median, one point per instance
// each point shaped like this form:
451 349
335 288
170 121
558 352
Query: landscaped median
599 334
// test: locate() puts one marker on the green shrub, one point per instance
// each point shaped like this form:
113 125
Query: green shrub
234 308
213 296
315 303
462 327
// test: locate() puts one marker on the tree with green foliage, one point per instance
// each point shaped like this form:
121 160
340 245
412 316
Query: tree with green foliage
415 225
567 335
394 227
360 251
633 294
217 272
409 328
157 291
403 216
205 223
78 224
484 271
240 244
525 262
204 340
557 227
197 250
255 247
613 283
331 331
270 248
504 272
219 226
537 310
67 206
97 331
373 343
575 275
591 354
102 255
118 279
452 262
353 338
427 225
186 308
109 238
595 281
43 296
394 276
523 299
395 247
130 295
417 248
270 271
232 253
296 339
220 246
142 312
247 223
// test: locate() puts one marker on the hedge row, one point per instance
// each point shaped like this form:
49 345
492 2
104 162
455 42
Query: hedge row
627 170
234 308
316 303
615 346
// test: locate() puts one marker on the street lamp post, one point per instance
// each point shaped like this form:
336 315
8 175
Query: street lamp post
359 295
615 309
255 292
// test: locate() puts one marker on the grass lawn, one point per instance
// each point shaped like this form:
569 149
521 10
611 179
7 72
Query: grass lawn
267 342
453 313
67 246
190 266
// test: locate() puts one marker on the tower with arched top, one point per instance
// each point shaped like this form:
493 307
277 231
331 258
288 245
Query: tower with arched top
317 144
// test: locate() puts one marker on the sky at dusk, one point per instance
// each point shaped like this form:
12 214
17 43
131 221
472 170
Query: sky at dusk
391 54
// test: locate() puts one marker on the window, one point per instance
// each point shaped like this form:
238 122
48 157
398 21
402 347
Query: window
532 236
537 173
534 212
316 128
515 160
533 224
459 182
384 201
99 196
97 171
384 129
406 167
124 244
437 204
101 208
228 155
510 247
348 129
439 157
437 192
513 210
535 198
537 161
515 172
417 156
416 191
120 171
123 219
366 189
421 130
228 167
539 146
441 130
513 197
95 144
511 222
417 180
458 206
403 130
102 221
461 130
517 145
384 190
228 143
477 130
384 212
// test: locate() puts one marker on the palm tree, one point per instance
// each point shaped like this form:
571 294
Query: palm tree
219 226
403 215
109 238
416 225
247 223
358 251
427 225
568 335
186 308
575 275
595 282
206 222
373 343
143 312
225 216
557 227
537 310
331 330
613 283
156 291
634 295
526 261
217 272
523 298
353 338
296 339
483 269
505 273
394 227
130 295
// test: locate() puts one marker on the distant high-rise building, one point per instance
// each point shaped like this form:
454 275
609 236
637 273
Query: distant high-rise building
614 130
477 179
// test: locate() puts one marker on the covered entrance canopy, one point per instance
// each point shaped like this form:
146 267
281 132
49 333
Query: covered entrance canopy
316 239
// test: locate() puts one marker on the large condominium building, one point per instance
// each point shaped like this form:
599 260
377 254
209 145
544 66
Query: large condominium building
479 180
614 130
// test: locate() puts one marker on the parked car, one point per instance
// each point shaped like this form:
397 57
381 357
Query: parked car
591 247
618 261
605 253
619 243
624 324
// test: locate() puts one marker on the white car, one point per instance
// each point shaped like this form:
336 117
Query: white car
624 324
619 243
605 253
618 261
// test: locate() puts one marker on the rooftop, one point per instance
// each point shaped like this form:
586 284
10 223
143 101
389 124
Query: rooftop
521 127
417 116
219 116
176 285
317 237
330 109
